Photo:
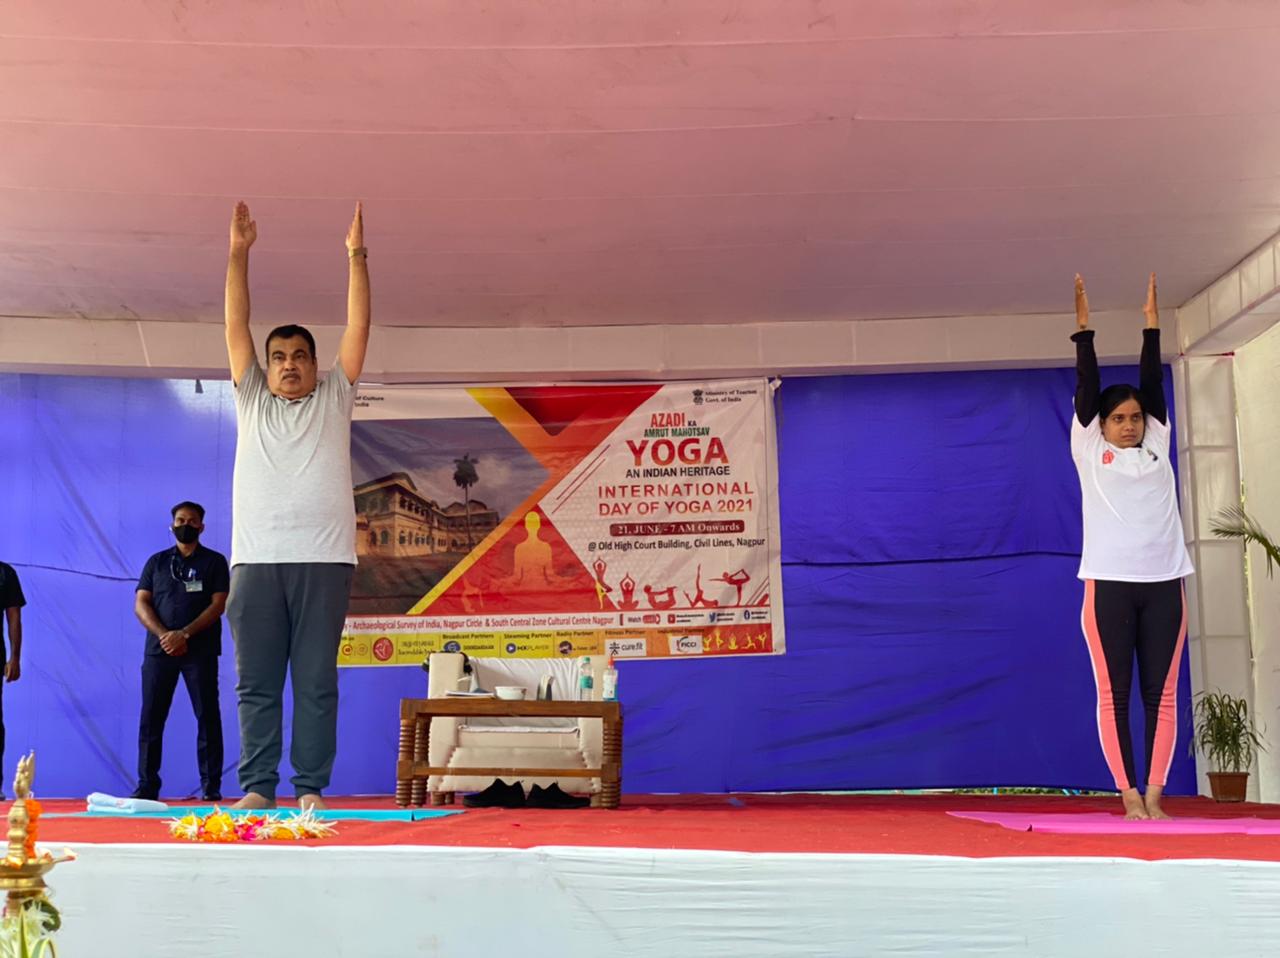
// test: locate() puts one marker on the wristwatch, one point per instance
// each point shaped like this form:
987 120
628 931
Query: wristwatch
358 251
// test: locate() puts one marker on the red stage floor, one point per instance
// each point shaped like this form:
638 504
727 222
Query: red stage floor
877 824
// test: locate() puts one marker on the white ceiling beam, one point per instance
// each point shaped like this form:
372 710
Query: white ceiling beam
451 354
1240 305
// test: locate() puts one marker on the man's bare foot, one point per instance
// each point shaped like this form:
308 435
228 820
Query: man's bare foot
1152 803
253 800
312 801
1134 810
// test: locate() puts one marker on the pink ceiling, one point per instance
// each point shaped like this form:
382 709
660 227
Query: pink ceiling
538 162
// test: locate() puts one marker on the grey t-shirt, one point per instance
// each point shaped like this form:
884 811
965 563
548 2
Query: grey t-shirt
291 496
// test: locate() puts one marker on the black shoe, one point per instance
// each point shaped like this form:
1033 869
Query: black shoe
147 794
497 795
555 797
211 797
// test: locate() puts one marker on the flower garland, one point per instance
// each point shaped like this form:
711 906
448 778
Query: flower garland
223 827
29 851
33 825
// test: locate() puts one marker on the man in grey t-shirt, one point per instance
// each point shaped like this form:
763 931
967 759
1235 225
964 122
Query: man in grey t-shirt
293 527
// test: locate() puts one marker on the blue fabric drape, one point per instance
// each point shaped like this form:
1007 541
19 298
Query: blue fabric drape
930 536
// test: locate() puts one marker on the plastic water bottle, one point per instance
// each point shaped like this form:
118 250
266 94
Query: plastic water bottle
586 681
609 682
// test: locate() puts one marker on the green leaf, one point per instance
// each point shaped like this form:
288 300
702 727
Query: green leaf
1225 731
1233 522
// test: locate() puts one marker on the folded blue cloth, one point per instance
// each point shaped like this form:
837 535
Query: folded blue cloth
103 804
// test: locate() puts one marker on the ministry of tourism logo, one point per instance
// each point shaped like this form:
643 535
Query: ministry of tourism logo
697 397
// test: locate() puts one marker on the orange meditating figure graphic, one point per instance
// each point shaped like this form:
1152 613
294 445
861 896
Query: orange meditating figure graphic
532 567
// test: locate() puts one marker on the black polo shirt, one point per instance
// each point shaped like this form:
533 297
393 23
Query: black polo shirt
11 596
181 588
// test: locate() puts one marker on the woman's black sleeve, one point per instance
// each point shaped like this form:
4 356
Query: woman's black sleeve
1087 381
1151 376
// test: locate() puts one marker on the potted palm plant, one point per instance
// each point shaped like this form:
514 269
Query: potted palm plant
1228 738
1225 732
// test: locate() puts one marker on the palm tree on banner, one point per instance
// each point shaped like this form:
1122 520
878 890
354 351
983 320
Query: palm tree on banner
465 476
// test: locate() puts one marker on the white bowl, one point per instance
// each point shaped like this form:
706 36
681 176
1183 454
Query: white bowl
512 693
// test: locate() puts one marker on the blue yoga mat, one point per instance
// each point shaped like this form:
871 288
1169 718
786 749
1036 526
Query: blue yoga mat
329 815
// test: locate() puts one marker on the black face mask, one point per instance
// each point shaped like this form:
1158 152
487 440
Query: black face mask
186 534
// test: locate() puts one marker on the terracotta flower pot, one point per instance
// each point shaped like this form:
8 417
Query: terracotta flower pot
1228 786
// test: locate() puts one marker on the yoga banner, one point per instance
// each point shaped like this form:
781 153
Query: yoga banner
638 521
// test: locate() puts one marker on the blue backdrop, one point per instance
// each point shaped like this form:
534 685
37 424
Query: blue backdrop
930 535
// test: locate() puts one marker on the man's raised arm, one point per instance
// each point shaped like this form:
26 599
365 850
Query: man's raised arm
239 340
355 339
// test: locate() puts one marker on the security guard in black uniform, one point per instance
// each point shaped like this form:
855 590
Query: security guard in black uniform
182 593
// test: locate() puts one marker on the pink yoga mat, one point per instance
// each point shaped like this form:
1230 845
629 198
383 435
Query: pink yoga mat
1105 823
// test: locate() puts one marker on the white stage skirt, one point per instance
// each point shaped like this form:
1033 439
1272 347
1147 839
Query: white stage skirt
282 902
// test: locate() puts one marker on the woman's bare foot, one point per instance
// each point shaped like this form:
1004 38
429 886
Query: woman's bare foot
254 801
1152 803
1134 810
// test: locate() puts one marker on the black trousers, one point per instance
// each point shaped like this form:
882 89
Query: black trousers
199 671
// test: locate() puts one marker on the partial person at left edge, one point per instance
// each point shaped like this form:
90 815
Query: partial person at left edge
181 596
11 602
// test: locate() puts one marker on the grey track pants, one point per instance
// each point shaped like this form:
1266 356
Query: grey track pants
287 615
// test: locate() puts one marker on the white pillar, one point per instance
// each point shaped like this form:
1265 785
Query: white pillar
1209 476
1257 372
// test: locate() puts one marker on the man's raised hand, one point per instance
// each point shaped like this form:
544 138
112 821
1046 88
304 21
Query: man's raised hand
244 230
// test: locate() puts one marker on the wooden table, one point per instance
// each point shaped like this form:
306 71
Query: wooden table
412 770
